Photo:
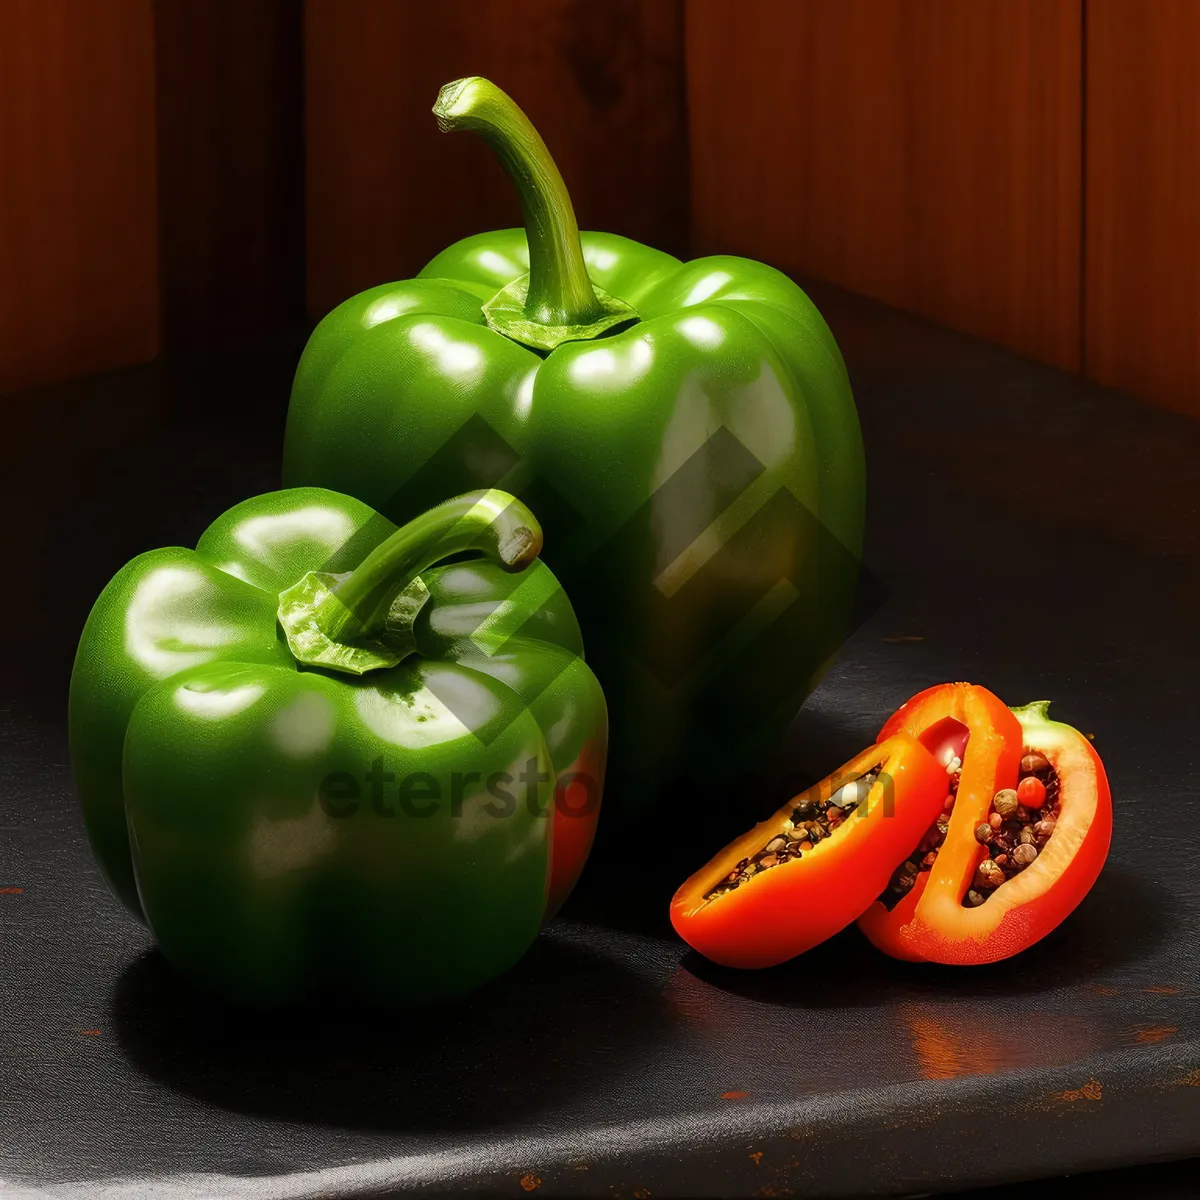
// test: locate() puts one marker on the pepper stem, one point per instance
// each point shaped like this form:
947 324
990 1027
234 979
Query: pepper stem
341 621
557 302
1036 708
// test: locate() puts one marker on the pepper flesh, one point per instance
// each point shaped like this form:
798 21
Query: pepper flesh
931 923
789 908
254 812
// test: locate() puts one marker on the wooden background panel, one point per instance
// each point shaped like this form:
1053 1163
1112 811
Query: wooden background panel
230 109
78 257
387 191
1142 214
928 154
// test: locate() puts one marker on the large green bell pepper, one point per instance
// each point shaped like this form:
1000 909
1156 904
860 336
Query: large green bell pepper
693 423
309 756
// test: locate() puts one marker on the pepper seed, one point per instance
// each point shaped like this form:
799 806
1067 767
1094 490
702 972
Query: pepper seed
1045 827
988 874
1034 763
1024 854
930 840
984 833
1005 802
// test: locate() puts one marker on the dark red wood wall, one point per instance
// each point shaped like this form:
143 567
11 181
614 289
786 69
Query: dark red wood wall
183 173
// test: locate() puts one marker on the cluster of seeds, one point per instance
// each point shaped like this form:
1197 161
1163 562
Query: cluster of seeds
925 855
1018 827
811 822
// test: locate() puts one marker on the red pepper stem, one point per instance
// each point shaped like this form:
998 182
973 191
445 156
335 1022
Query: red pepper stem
492 523
560 292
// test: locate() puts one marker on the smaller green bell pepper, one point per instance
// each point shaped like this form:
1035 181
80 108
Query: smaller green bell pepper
312 754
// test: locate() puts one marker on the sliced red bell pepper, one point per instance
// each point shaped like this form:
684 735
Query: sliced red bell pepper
931 922
786 908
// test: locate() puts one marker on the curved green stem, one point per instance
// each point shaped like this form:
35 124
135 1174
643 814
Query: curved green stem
492 523
560 292
363 621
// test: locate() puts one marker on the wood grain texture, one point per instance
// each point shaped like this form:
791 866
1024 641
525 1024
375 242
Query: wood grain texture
928 154
386 191
1142 257
78 241
230 167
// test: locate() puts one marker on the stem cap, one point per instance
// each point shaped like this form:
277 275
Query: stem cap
363 620
556 301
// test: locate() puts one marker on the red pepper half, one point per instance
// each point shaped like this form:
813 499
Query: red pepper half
931 922
784 909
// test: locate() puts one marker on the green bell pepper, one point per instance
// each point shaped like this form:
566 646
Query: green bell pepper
692 424
308 756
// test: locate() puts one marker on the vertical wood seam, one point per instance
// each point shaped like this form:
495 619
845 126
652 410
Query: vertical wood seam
1083 188
685 132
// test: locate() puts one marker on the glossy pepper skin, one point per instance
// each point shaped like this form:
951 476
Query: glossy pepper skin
791 907
930 923
309 757
695 418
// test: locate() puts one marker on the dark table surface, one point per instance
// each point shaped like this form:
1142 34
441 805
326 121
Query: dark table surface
1027 531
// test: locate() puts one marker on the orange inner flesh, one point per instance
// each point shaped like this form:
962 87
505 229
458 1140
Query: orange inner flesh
947 742
801 825
1008 824
716 883
1080 781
